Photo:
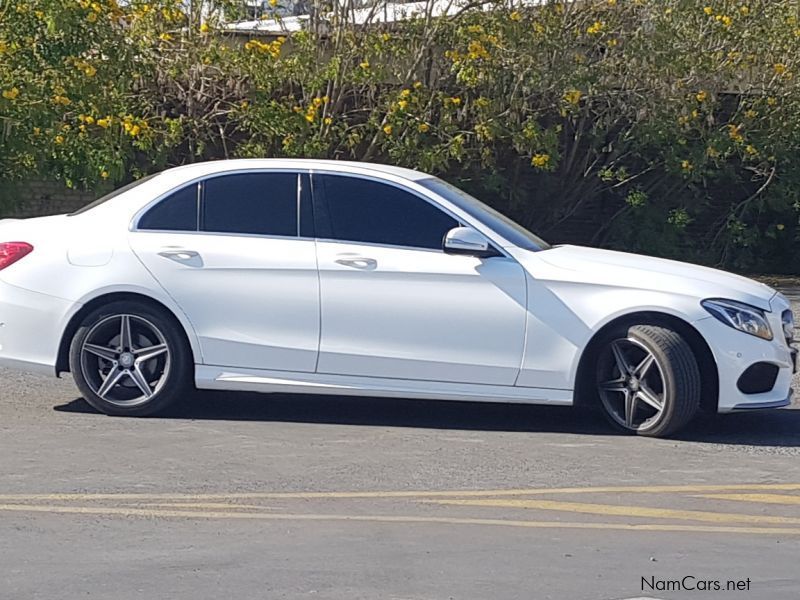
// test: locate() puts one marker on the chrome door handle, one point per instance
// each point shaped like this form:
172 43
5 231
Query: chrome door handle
358 262
179 254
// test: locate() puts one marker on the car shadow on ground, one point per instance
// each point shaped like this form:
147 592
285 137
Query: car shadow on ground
762 428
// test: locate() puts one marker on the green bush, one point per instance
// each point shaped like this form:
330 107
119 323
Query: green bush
669 127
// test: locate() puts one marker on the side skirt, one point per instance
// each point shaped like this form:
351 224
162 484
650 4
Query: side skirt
256 380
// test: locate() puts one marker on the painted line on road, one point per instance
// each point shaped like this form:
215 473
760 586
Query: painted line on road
654 489
625 511
209 505
759 498
149 513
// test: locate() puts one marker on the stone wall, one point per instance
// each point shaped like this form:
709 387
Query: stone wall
39 198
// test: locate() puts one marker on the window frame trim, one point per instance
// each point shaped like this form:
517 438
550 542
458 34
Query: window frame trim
200 183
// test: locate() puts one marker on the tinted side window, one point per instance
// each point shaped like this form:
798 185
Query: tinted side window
361 210
259 203
176 212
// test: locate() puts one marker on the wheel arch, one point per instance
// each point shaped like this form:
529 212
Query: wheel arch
62 358
702 352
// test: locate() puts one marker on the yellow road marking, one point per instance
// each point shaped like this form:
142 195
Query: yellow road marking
656 489
760 498
209 505
626 511
134 512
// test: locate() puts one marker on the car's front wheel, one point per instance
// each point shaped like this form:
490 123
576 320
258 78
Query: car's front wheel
647 380
130 359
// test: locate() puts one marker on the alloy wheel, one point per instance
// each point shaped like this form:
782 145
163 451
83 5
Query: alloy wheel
125 359
630 382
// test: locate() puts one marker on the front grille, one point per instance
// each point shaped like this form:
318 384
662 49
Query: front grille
787 320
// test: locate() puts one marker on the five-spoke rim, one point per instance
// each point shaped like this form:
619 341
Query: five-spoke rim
125 360
631 384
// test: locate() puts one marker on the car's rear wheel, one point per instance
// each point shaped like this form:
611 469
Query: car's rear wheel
131 359
647 380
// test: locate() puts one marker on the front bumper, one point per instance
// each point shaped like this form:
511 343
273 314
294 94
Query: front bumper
735 351
31 325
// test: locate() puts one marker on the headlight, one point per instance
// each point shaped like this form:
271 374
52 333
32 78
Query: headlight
740 316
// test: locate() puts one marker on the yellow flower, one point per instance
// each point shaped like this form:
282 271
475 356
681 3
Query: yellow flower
687 165
205 28
89 120
165 37
405 93
424 128
327 120
779 68
455 100
540 160
701 96
387 129
402 104
63 100
91 17
96 7
772 101
595 28
708 10
735 133
310 116
573 96
273 3
712 152
476 50
104 174
515 16
744 9
104 123
726 20
90 71
11 94
417 85
751 114
59 139
611 2
751 150
37 131
364 65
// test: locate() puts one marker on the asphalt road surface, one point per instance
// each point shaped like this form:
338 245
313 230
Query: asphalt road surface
246 496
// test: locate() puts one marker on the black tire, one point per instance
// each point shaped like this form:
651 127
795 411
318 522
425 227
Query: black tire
168 376
674 365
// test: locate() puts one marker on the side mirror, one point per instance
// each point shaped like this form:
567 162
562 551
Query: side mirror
465 240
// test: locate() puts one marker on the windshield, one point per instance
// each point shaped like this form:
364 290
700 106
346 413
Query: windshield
496 221
112 195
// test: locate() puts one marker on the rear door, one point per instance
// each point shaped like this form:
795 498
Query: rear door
229 251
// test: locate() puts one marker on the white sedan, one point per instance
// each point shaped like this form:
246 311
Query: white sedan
331 277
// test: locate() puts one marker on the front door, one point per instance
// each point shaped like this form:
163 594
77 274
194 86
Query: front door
394 305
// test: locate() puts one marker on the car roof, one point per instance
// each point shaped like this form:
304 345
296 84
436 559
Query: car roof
343 166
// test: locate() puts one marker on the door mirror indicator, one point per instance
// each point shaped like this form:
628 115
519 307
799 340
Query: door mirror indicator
465 240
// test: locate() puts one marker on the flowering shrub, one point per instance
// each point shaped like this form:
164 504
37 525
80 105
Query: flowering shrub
664 126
